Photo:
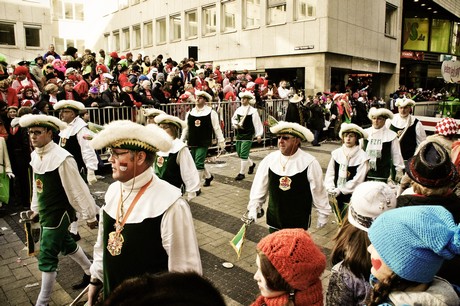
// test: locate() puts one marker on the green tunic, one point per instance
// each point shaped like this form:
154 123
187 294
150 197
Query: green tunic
137 256
289 208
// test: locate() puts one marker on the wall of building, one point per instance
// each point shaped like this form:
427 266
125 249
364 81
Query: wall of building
23 13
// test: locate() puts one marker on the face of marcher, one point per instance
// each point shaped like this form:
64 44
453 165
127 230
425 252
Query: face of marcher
379 269
350 139
67 115
126 164
201 101
288 144
404 111
378 122
265 291
40 136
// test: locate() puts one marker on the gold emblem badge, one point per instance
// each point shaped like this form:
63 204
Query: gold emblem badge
285 183
39 184
63 142
160 161
197 123
115 243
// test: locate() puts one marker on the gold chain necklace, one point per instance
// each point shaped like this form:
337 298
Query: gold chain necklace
284 166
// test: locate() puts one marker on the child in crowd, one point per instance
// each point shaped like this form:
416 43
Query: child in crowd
408 247
349 282
289 266
348 165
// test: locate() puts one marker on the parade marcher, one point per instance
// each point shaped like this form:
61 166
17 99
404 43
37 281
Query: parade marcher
145 224
382 147
348 165
292 179
176 166
406 254
294 111
202 123
349 281
409 129
151 113
74 138
58 191
247 125
289 266
433 176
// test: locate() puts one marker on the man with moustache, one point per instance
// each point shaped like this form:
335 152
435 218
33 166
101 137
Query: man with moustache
293 181
145 225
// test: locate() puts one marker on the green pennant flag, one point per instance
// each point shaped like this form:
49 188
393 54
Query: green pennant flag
238 240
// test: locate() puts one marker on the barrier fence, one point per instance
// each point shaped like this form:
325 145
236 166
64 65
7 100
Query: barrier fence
225 110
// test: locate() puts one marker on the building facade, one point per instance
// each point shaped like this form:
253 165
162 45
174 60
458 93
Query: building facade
316 45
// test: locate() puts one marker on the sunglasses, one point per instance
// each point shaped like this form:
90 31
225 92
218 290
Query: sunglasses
285 137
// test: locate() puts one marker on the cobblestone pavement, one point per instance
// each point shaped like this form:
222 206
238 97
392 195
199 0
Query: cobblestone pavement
216 214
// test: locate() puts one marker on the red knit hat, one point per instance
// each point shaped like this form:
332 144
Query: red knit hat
21 70
296 257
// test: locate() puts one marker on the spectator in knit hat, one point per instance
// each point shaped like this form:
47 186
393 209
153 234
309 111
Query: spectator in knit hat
289 269
93 99
406 255
22 80
445 131
349 282
68 92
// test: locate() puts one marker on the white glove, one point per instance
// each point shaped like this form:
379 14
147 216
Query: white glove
252 214
91 177
191 196
333 117
334 191
10 175
322 220
399 175
221 145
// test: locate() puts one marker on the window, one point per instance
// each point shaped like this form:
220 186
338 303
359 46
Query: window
252 11
209 20
106 41
148 34
191 26
175 27
79 11
7 36
59 45
122 4
305 9
126 39
390 20
276 11
136 36
161 31
116 40
229 10
32 35
66 9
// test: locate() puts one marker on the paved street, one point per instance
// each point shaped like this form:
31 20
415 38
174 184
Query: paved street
216 213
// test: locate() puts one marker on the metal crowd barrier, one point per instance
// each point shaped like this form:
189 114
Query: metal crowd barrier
225 110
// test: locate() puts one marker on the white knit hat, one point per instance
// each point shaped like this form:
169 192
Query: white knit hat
368 201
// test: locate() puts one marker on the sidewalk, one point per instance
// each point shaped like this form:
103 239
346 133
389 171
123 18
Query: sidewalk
216 214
